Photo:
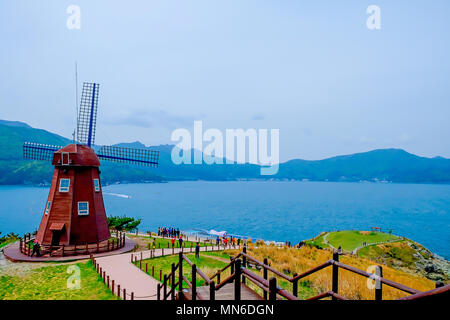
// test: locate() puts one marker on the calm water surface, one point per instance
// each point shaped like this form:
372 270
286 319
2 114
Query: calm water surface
281 211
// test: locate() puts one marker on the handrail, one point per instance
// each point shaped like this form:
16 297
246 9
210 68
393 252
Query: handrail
320 296
224 282
313 270
428 293
200 272
273 290
278 273
227 266
390 283
385 281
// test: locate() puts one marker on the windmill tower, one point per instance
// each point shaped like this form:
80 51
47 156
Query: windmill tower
74 212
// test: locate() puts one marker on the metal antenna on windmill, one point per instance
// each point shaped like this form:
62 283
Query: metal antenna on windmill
76 98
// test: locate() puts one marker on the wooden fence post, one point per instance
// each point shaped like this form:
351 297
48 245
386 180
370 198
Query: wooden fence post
124 294
237 280
132 295
173 281
165 287
107 282
265 275
112 287
244 260
295 286
212 291
118 290
378 284
273 288
180 275
335 279
158 293
153 271
194 282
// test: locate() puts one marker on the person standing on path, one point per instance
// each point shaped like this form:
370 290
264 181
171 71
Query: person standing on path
197 250
173 242
180 241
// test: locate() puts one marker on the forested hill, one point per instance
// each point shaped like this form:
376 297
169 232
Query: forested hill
393 165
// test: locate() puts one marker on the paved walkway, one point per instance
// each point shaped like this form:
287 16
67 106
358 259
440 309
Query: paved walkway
120 269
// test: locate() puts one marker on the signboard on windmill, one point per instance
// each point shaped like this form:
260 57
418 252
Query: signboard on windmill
74 213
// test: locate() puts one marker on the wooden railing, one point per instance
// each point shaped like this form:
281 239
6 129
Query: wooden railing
110 283
271 291
118 242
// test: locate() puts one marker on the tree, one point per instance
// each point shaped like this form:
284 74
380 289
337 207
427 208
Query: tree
123 223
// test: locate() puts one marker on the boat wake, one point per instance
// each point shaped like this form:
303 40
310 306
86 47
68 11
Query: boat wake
118 195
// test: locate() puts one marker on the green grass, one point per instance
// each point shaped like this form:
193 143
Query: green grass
6 242
163 242
317 242
207 264
219 254
350 240
51 283
393 254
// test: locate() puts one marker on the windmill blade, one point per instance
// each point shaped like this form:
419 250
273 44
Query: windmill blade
87 117
129 155
39 151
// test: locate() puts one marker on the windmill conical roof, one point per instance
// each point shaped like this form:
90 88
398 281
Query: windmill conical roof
79 155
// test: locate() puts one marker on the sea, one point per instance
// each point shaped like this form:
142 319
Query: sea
270 210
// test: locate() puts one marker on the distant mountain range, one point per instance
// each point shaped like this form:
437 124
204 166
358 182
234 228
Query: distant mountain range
392 165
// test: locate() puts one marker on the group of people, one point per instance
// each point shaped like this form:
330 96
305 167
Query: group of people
169 232
225 241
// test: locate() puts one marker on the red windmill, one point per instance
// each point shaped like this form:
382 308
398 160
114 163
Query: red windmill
74 212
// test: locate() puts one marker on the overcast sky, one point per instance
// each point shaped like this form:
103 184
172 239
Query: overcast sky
314 71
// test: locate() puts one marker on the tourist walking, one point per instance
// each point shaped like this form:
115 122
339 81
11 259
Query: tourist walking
36 249
197 250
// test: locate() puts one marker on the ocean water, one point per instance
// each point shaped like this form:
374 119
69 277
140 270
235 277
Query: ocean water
280 211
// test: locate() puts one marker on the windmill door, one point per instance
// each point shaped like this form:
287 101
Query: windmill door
57 230
56 236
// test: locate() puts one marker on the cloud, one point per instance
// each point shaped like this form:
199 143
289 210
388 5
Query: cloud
149 119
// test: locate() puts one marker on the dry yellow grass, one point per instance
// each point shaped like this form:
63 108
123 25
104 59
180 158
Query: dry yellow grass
352 286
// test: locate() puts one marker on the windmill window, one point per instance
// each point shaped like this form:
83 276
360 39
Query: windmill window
47 208
83 208
64 185
65 158
96 185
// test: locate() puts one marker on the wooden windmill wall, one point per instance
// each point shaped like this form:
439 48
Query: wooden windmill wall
62 223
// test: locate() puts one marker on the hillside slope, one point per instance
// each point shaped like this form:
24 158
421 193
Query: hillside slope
394 165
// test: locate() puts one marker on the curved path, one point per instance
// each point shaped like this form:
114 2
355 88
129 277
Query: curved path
124 273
